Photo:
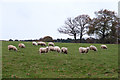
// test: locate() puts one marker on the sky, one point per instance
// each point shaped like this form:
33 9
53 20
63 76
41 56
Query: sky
34 19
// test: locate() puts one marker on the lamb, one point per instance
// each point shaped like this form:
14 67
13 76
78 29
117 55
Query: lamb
64 50
51 48
56 48
42 43
50 44
93 48
34 43
103 47
43 50
21 45
83 50
11 47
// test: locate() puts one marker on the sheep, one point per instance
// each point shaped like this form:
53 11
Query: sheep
56 48
87 49
83 50
50 44
51 48
11 47
93 48
21 45
42 43
34 43
64 50
43 50
103 47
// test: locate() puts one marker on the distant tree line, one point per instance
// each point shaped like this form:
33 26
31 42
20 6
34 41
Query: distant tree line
68 40
105 26
88 40
46 39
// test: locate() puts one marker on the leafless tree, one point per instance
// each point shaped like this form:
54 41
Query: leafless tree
82 22
69 28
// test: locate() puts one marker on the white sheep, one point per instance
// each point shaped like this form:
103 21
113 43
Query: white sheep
42 43
43 50
57 48
51 48
93 48
50 44
103 46
64 50
21 45
83 50
34 43
11 47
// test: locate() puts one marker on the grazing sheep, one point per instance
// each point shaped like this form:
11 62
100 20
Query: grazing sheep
64 50
50 44
21 45
43 50
11 47
83 50
34 43
51 48
103 46
56 48
88 48
93 48
42 43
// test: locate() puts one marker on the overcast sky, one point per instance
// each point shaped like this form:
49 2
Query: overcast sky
33 19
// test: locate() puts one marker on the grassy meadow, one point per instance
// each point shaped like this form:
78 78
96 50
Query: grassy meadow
28 63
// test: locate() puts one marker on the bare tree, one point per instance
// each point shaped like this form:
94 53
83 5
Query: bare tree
82 24
69 28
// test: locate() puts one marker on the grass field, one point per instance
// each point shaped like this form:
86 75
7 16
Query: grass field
28 63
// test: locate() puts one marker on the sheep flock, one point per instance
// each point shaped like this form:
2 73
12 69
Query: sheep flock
52 47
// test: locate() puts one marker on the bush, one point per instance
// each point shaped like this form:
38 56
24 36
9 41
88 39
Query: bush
16 40
47 39
10 40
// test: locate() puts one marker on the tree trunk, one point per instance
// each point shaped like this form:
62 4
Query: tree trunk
103 38
80 37
75 37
